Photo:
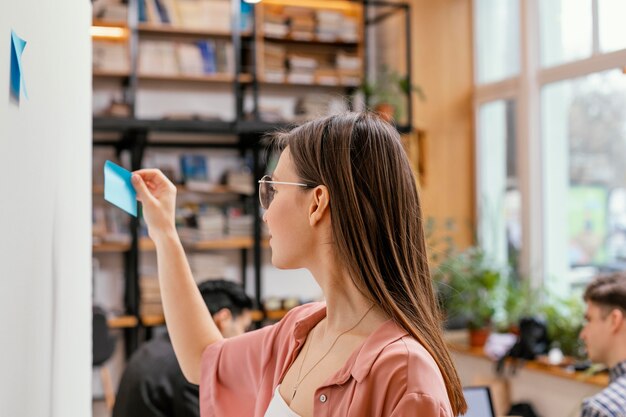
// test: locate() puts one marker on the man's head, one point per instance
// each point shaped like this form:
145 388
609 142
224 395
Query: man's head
604 333
228 304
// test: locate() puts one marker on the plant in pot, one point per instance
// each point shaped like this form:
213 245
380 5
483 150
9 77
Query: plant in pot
564 319
388 94
519 300
468 287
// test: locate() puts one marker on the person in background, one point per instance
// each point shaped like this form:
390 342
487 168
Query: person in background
153 384
604 335
343 204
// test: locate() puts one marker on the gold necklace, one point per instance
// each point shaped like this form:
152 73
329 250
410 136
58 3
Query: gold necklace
298 379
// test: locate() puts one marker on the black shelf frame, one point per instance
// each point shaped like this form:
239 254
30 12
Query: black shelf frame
134 136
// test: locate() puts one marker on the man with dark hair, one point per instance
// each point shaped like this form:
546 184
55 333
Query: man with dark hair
604 335
153 384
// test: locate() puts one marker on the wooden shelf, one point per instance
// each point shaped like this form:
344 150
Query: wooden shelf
152 29
313 41
209 78
109 24
218 189
228 243
150 320
110 247
601 379
159 320
110 74
122 322
146 244
314 84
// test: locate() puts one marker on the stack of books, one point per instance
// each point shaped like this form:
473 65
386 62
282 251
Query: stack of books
239 223
274 63
301 69
334 25
150 299
110 56
109 10
206 266
275 25
349 67
301 23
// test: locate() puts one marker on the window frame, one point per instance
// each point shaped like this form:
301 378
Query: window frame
525 89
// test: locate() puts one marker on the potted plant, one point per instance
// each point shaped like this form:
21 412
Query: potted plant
564 319
388 95
468 287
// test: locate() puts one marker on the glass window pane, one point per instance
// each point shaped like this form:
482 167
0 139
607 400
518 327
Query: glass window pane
566 32
497 39
584 143
611 15
500 229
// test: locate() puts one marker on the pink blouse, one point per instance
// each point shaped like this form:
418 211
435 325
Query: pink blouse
391 374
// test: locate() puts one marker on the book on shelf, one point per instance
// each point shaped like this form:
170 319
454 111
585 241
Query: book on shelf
109 225
204 14
348 62
239 223
157 58
109 11
350 78
301 23
334 25
326 76
190 59
208 266
301 77
110 56
275 30
189 14
240 181
194 167
204 57
167 162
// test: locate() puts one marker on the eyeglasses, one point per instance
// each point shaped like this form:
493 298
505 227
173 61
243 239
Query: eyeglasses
266 191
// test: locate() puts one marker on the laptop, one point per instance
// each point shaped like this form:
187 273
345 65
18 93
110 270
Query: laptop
479 402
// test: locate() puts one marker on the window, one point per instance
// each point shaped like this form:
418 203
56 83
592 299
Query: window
612 26
584 136
498 193
566 30
497 39
551 136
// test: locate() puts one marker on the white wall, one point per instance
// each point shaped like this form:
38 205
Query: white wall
45 212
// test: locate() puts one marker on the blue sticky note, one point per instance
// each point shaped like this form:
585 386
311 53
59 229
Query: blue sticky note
17 75
118 189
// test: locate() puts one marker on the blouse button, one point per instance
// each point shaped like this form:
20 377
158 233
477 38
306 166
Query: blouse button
323 398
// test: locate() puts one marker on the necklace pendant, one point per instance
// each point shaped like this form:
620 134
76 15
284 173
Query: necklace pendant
295 388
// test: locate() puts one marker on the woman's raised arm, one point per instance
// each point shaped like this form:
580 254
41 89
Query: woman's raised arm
189 323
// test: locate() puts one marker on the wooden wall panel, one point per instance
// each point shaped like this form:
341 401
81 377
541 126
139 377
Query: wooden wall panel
443 66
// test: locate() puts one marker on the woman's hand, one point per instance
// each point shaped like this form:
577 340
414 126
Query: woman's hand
158 196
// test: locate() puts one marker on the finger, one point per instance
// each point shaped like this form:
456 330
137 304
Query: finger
143 194
154 178
151 174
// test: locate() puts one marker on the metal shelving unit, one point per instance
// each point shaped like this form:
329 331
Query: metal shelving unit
134 135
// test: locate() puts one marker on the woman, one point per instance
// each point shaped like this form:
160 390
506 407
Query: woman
342 203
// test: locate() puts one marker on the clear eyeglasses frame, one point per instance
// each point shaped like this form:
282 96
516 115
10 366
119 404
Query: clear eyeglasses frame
266 191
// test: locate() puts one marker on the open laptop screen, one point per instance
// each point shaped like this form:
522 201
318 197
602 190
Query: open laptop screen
478 402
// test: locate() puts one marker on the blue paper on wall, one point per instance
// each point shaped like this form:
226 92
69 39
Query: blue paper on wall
17 83
118 189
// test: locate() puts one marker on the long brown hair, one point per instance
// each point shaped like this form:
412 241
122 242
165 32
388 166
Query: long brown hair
376 222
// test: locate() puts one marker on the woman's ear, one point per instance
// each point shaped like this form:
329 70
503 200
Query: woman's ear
319 205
